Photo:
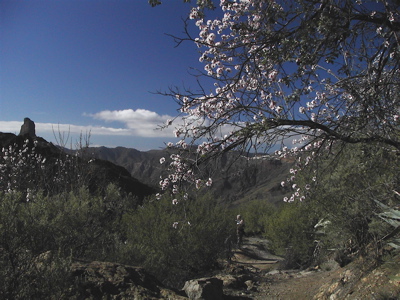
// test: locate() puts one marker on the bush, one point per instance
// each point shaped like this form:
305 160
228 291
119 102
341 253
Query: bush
176 242
290 231
255 213
40 235
344 194
26 270
48 217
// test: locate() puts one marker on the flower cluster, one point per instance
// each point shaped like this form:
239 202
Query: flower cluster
178 171
21 168
24 169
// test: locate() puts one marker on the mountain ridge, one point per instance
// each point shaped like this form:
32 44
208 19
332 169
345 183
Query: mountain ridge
235 178
100 171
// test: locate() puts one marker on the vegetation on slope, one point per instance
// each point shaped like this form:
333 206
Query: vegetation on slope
50 216
46 224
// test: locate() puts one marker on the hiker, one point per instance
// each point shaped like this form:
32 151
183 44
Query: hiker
239 230
228 249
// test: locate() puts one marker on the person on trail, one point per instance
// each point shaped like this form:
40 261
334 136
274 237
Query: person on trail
228 249
239 230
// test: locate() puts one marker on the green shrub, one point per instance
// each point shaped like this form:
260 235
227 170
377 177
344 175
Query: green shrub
40 235
174 253
290 231
27 270
255 213
344 194
48 217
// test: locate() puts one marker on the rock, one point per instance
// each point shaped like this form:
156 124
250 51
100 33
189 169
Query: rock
234 282
230 281
251 286
274 272
105 280
28 128
204 288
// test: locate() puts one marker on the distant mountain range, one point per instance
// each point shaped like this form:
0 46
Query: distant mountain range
236 178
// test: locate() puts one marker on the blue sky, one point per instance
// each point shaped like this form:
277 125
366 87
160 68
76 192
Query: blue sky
90 65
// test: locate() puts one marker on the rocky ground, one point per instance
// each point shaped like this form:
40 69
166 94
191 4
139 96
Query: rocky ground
253 273
265 280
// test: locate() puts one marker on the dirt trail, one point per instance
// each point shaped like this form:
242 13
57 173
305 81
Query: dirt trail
268 281
254 252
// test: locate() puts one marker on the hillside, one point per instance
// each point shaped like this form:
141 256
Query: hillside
235 178
264 279
98 173
76 237
253 273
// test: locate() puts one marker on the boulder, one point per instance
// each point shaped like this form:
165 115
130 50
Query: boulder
251 285
204 289
234 282
28 128
106 280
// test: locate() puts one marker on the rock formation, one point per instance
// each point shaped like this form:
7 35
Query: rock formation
28 128
204 288
105 280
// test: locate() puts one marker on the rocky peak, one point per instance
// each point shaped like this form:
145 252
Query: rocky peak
28 128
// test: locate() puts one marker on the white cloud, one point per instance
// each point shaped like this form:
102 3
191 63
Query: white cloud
77 129
140 122
10 126
41 128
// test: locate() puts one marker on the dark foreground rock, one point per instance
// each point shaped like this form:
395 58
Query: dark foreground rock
239 280
105 280
204 288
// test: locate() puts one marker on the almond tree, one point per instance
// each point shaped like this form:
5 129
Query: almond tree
317 73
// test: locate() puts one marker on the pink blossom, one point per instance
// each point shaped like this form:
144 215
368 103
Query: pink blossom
177 133
194 13
175 189
272 75
198 183
313 117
